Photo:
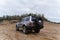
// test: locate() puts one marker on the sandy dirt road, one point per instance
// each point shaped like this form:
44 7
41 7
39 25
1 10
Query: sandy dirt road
49 32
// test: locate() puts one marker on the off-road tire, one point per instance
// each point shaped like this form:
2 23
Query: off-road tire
37 30
25 31
17 28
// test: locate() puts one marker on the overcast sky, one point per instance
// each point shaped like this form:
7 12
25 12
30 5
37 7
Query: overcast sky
50 8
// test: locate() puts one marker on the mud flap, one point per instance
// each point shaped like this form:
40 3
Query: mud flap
41 27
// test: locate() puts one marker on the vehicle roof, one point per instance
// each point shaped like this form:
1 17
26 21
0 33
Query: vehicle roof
33 16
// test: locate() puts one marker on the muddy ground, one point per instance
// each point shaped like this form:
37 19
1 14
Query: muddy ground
49 32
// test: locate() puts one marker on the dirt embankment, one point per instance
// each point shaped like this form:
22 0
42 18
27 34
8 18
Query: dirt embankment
49 32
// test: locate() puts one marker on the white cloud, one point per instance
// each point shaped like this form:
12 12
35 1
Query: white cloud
2 2
51 8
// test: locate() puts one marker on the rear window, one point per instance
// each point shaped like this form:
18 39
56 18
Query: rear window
36 18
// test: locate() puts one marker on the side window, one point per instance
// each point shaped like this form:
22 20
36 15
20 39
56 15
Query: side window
27 19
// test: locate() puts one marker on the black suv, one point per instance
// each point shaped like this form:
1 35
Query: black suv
30 23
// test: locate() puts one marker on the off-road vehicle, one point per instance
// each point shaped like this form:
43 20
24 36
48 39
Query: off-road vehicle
30 23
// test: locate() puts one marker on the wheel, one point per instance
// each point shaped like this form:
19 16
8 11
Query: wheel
25 30
17 28
37 30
